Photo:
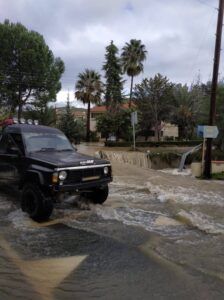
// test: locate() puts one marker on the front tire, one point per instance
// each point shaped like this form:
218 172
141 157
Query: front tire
35 203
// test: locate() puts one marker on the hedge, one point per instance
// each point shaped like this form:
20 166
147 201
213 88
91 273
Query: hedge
197 156
154 144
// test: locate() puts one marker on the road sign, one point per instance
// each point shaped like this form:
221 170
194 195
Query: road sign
200 131
207 131
134 118
211 132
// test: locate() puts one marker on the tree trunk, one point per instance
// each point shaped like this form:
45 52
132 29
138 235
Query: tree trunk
20 105
131 88
88 123
12 110
19 111
157 131
157 124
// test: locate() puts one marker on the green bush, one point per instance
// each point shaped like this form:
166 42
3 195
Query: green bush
218 176
167 157
93 136
197 156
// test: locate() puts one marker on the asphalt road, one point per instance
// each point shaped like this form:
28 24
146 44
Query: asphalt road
103 260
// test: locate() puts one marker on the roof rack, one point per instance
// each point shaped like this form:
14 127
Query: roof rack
11 121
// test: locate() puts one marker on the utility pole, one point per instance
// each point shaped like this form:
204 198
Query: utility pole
208 154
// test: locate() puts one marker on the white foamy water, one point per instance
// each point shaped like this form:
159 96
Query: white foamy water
152 199
137 217
201 221
142 205
21 220
186 195
5 204
184 172
176 193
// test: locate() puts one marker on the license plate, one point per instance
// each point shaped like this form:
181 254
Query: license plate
90 178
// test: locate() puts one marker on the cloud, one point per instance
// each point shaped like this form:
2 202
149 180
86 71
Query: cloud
178 34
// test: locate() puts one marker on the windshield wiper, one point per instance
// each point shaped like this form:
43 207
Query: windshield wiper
45 150
62 150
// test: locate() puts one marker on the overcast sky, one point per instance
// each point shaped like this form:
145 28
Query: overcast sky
179 35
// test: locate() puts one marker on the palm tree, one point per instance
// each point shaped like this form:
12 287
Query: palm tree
187 108
132 57
88 89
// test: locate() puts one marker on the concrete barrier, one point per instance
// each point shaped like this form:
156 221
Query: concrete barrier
216 167
196 169
133 158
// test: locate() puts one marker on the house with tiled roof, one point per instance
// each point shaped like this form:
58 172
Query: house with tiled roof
168 130
98 110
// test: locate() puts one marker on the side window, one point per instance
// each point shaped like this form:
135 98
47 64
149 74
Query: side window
18 141
5 143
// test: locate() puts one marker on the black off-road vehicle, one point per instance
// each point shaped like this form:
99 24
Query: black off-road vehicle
43 164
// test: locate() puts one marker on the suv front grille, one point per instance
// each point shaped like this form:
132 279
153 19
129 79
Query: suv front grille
77 176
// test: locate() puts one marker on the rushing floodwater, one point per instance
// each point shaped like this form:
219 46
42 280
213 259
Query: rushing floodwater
187 222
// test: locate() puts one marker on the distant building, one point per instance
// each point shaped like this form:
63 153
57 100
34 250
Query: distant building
96 111
168 130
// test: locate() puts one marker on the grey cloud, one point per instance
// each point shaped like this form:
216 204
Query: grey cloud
178 34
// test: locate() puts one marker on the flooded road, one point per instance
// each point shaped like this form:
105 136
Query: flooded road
158 236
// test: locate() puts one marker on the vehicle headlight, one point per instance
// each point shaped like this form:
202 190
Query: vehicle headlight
62 175
105 170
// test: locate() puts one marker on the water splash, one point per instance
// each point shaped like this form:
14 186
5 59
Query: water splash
201 221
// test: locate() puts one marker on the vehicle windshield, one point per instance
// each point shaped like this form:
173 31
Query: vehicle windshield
43 142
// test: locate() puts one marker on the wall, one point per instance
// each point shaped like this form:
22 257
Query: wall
140 159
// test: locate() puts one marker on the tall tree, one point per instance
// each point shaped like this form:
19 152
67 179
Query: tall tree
28 69
114 83
154 96
89 89
220 114
117 124
132 57
182 114
67 124
187 108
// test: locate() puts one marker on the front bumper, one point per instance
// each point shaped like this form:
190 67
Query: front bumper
78 187
82 178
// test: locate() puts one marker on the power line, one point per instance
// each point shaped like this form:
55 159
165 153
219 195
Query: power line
206 4
204 35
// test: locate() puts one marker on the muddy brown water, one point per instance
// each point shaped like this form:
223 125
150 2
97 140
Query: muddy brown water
158 236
